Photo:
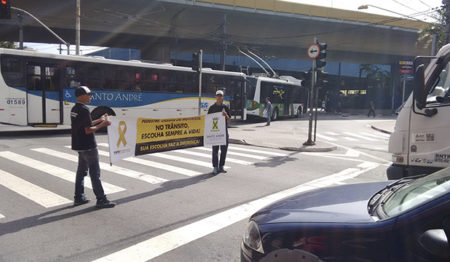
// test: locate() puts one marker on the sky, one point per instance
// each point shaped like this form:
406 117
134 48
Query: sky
411 8
418 9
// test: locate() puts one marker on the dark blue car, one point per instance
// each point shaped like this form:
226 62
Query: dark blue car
406 220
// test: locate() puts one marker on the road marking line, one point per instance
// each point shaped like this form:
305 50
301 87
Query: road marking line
235 153
326 137
153 164
256 151
105 166
33 192
158 245
359 136
55 171
232 160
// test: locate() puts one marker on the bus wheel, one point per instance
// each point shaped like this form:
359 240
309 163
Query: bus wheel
99 111
275 114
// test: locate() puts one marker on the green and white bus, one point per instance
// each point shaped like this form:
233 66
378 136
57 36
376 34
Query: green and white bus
288 97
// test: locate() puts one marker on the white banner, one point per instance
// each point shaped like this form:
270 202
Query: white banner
215 130
122 138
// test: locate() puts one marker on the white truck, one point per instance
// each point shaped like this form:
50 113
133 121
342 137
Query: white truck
420 143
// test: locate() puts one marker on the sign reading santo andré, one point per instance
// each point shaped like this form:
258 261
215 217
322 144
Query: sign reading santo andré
132 137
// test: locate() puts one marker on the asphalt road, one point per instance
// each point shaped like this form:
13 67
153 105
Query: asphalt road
172 212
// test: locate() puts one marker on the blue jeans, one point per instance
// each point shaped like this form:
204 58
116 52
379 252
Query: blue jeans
223 154
88 160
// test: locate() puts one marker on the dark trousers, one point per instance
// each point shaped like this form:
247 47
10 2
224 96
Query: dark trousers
223 154
88 161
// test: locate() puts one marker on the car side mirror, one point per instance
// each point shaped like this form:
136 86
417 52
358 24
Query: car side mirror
420 96
435 242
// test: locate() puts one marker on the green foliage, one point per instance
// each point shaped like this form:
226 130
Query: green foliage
7 44
437 28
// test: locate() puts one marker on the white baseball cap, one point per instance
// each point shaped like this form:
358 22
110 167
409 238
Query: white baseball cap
219 93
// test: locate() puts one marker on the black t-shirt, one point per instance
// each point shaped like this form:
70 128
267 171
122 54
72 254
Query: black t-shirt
215 108
81 118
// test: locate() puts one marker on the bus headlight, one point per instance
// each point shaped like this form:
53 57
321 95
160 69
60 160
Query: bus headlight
252 237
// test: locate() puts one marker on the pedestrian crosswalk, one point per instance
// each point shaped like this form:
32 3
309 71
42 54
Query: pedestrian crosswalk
61 162
353 136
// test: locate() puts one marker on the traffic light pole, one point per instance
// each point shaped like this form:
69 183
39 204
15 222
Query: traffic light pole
46 27
200 59
310 142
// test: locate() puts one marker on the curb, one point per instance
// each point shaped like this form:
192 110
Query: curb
381 130
310 149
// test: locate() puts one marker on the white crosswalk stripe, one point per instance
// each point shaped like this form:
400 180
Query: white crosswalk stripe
359 136
265 152
33 192
153 164
55 171
235 153
326 137
379 135
231 160
105 166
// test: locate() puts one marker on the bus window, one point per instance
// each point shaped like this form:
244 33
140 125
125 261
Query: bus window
34 77
122 79
191 86
51 79
12 71
150 80
70 78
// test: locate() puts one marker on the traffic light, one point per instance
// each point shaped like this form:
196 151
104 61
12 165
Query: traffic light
321 60
5 9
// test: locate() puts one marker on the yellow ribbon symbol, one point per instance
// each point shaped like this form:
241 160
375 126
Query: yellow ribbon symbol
215 124
122 130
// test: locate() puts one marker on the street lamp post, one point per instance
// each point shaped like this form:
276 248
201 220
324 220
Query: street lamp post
363 7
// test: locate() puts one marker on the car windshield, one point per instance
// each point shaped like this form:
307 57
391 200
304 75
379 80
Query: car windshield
418 192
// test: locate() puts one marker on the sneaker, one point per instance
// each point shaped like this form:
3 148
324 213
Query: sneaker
105 203
215 171
222 170
80 201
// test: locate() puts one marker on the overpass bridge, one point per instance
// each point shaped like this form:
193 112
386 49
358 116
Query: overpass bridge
165 30
274 27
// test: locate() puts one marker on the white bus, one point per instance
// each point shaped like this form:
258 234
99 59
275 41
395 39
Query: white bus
286 94
38 88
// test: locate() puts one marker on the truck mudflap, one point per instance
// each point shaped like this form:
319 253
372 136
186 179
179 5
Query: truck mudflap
395 172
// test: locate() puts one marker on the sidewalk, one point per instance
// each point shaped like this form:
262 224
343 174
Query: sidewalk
292 137
288 134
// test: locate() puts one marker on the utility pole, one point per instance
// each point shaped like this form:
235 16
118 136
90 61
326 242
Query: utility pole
224 43
446 5
77 28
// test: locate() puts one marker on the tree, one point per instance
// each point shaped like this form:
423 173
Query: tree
437 28
7 44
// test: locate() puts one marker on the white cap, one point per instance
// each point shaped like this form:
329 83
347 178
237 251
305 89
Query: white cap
219 92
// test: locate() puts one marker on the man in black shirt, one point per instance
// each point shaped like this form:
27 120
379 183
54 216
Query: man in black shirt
219 106
83 141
